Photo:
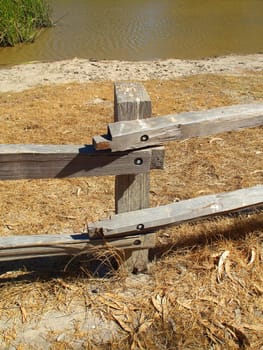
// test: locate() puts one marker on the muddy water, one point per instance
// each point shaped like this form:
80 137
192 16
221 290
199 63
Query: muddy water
145 29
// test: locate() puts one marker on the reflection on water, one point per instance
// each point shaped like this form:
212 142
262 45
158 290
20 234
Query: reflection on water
145 29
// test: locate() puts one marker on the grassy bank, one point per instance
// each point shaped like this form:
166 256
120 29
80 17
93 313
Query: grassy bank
21 20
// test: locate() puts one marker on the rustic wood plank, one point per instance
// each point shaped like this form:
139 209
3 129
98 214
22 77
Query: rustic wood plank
131 101
177 213
134 134
49 161
25 247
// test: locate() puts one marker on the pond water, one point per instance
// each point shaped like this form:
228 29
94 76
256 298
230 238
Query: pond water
145 29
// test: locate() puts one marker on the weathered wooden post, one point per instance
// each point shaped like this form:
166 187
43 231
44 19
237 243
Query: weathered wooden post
131 101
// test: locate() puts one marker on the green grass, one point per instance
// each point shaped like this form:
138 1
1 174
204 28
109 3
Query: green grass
21 20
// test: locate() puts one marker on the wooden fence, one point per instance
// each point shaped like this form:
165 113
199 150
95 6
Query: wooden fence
131 148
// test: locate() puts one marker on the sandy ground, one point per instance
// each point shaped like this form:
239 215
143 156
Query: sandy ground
20 77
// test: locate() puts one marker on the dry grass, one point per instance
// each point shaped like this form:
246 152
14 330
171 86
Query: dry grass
206 292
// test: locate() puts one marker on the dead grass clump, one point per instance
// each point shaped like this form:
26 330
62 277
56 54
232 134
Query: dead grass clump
213 295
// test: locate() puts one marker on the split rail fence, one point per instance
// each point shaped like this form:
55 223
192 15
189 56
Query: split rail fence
132 147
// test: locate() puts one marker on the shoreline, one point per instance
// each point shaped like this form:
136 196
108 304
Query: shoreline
25 76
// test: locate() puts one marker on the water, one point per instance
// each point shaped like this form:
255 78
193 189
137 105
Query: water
145 29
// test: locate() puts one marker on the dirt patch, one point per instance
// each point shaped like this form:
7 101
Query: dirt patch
206 292
29 75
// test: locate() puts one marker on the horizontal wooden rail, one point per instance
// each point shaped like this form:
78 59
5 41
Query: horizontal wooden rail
134 134
55 161
177 213
31 246
131 230
134 146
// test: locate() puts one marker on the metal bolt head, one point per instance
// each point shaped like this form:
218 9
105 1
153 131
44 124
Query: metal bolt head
144 138
138 161
140 227
137 242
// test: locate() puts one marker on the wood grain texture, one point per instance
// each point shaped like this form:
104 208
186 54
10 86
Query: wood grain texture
177 213
136 134
56 161
131 102
24 247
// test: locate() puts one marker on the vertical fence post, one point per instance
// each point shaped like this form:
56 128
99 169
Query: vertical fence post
131 101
